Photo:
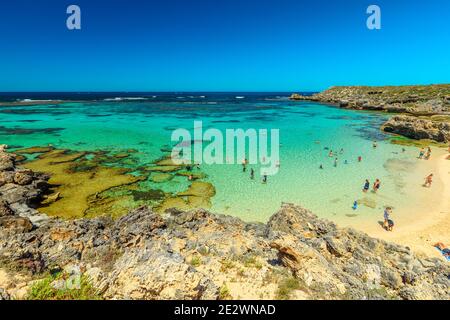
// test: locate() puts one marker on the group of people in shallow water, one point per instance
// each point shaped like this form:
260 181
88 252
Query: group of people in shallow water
426 155
388 223
252 171
376 186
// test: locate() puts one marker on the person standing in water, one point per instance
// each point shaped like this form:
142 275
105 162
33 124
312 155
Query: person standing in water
428 181
244 165
421 153
252 174
359 159
376 185
428 155
336 162
366 186
375 144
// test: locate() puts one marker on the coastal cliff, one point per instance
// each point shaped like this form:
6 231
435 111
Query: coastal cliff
198 254
422 104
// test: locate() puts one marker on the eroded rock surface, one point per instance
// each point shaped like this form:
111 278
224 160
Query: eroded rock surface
418 128
200 255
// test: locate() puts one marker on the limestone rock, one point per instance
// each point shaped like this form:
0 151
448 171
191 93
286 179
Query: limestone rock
16 224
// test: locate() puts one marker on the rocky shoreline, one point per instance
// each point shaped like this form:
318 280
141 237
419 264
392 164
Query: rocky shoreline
426 108
200 255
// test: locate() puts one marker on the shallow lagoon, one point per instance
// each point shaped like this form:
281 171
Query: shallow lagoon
307 130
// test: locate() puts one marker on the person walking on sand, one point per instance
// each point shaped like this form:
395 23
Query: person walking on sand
376 185
428 181
388 223
366 186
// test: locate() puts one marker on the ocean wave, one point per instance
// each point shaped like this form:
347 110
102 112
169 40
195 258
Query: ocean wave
35 100
125 99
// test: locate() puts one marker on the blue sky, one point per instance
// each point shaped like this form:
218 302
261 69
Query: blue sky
227 45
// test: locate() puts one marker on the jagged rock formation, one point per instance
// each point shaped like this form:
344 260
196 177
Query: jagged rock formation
200 255
418 128
21 191
418 100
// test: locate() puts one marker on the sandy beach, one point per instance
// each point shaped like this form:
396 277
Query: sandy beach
421 227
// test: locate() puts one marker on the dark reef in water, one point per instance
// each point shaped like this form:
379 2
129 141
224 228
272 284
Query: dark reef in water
25 131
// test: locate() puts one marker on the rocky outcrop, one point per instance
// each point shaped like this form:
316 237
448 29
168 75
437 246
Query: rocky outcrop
413 100
20 190
418 128
298 97
200 255
418 100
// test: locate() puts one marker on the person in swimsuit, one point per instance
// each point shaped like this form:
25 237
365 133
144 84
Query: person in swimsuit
359 159
421 153
252 174
366 186
388 223
445 251
244 165
428 181
376 185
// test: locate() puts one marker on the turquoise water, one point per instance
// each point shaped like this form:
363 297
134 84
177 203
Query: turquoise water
307 131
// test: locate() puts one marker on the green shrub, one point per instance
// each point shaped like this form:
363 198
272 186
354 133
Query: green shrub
43 290
285 288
